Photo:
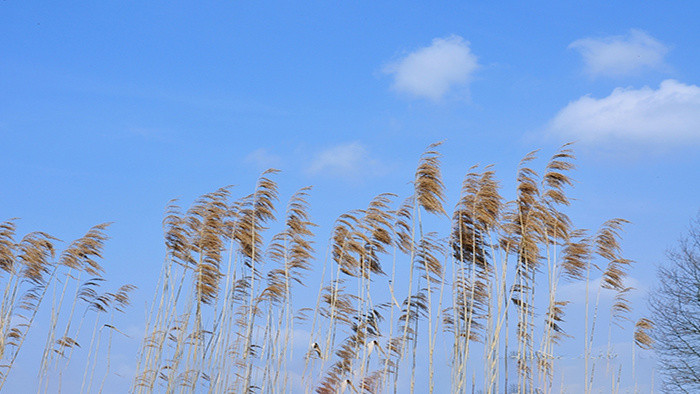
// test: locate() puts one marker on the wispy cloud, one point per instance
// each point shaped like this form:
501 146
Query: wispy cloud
621 55
575 292
348 160
668 115
263 159
431 72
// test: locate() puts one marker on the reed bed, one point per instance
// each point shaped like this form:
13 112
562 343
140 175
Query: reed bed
411 295
69 285
227 318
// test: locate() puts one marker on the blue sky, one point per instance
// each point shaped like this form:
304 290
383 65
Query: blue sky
110 109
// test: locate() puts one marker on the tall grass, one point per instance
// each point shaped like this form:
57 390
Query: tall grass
477 285
71 281
410 296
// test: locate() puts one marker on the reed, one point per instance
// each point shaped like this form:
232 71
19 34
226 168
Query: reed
31 271
406 288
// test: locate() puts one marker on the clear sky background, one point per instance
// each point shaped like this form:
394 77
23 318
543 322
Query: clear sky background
110 109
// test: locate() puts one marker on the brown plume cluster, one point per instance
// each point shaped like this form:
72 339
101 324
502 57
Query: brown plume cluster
31 271
405 286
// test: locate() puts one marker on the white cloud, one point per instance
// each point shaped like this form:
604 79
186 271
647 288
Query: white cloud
263 159
432 71
668 115
350 159
575 292
620 55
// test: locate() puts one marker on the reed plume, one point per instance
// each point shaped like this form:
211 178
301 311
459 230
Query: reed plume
429 189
